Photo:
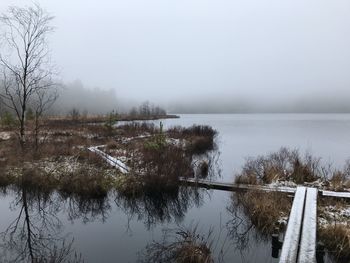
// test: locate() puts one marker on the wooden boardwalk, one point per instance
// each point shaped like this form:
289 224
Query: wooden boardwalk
299 243
224 186
234 187
123 168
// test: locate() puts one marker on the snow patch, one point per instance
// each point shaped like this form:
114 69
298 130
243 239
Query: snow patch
122 167
4 136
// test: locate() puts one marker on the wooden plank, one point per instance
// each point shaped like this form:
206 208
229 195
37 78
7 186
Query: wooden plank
110 160
291 240
307 251
336 194
234 187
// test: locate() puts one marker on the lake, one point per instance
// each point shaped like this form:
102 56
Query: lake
116 229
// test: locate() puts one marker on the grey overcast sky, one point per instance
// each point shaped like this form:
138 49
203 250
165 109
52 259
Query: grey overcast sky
167 50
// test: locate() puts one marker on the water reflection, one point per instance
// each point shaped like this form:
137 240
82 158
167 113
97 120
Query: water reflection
159 207
35 234
243 229
186 245
213 165
86 209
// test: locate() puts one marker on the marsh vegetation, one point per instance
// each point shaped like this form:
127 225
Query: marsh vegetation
291 168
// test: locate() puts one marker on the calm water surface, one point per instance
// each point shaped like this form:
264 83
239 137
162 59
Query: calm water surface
118 230
244 135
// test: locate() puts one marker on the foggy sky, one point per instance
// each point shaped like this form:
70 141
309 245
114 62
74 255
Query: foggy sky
245 54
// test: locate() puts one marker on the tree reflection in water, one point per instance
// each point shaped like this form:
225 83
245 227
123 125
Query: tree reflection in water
187 245
168 204
239 228
158 207
254 221
86 209
36 233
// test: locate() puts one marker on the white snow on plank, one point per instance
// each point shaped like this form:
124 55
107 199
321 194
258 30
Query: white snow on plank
122 167
291 240
230 186
307 251
336 194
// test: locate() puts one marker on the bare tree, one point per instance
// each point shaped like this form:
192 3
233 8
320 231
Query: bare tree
42 101
24 59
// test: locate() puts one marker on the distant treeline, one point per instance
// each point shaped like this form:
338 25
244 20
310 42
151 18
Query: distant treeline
147 109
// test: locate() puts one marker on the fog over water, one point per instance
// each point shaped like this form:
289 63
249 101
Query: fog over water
206 56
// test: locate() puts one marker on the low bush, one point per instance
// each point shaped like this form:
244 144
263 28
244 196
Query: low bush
163 165
5 178
137 128
33 178
186 246
86 182
195 130
204 169
7 119
286 165
336 239
199 145
263 209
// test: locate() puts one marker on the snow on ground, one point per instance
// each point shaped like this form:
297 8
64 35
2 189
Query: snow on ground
4 136
282 183
126 140
122 167
334 215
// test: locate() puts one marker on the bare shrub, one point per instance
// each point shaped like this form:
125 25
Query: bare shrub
199 130
200 145
263 209
33 178
337 181
200 138
111 145
340 179
204 169
137 128
246 179
284 164
186 246
5 178
163 165
86 182
129 186
336 239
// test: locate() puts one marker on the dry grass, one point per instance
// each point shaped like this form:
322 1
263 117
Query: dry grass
5 178
336 239
263 209
86 182
246 179
136 128
204 169
160 163
333 227
199 145
200 138
111 145
286 165
340 179
163 165
180 246
129 186
87 179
